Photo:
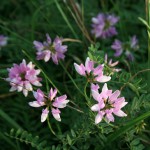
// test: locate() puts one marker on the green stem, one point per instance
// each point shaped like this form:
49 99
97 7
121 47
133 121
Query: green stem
148 30
6 139
50 127
86 97
71 78
66 19
9 119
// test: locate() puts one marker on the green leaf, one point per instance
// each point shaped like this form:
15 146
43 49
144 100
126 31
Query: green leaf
135 142
69 139
128 126
73 133
133 88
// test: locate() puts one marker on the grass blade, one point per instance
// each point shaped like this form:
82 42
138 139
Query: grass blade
9 119
66 19
128 126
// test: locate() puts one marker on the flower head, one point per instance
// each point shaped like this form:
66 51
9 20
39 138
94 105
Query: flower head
125 48
92 74
50 101
108 104
49 49
23 76
104 25
117 46
111 65
3 40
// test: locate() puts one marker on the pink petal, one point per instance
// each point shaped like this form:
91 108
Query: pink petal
95 20
94 87
95 107
25 92
96 95
80 69
120 113
44 115
98 70
13 88
36 104
114 96
61 98
109 117
52 94
98 118
47 55
89 65
56 114
105 88
60 104
102 79
28 86
48 38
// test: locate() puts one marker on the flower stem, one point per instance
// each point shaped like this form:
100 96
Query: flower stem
71 78
78 110
71 40
147 2
86 97
50 127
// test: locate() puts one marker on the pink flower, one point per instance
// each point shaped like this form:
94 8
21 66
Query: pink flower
111 64
51 101
109 104
40 99
126 48
103 25
3 40
47 49
92 74
23 76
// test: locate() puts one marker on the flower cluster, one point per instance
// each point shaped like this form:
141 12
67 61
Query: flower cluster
49 49
108 103
23 76
92 73
104 25
111 65
3 40
127 48
51 101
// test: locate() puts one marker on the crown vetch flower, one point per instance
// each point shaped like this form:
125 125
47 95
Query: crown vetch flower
51 102
49 49
92 74
117 46
111 64
3 40
94 87
103 25
23 76
108 104
125 48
